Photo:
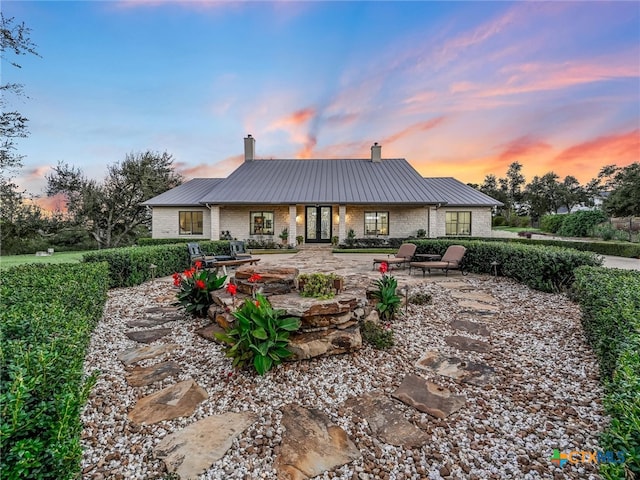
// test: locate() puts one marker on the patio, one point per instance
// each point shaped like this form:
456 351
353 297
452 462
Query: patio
538 391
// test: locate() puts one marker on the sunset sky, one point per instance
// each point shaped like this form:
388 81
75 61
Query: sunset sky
457 88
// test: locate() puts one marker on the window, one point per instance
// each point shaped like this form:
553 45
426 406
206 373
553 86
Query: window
376 223
190 223
458 223
261 223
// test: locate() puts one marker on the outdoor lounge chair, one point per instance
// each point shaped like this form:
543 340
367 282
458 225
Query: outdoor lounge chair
402 257
237 250
451 260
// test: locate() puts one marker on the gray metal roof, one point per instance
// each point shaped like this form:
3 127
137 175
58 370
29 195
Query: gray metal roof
453 192
187 194
343 181
359 181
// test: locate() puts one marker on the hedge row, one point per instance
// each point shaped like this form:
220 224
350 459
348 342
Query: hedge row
47 313
147 242
132 265
618 249
610 303
549 269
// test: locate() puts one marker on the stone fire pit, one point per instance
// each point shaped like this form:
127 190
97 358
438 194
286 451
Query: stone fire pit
328 326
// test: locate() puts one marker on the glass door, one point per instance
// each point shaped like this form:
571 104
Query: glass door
318 224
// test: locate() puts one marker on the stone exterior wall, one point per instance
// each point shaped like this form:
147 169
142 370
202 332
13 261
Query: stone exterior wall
480 220
235 219
403 221
164 222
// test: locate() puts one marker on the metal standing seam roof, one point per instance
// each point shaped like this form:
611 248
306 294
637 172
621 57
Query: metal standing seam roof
455 193
344 181
292 181
187 194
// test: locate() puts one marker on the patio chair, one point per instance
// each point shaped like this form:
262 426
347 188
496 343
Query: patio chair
237 250
451 260
402 256
196 254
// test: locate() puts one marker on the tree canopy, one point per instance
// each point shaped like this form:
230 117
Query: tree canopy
111 210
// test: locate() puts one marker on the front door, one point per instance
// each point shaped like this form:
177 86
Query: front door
318 224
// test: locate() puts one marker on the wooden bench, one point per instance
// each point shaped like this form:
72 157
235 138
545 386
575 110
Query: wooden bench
216 265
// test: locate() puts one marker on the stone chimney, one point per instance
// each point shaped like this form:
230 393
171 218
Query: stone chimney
250 148
376 153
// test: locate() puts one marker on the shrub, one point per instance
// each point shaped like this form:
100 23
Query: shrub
499 221
196 286
610 303
581 224
130 266
551 223
260 336
524 222
47 314
148 242
317 285
549 269
421 233
377 336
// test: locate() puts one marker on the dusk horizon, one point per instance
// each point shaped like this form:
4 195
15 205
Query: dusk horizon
458 89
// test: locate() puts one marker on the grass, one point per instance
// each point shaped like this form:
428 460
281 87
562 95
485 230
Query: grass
8 261
518 229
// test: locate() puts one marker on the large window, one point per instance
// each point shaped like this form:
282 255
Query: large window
376 223
190 223
458 223
261 223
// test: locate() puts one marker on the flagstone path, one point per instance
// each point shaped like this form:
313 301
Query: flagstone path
311 442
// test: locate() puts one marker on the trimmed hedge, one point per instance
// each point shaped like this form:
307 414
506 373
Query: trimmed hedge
147 242
130 266
47 314
610 303
618 249
549 269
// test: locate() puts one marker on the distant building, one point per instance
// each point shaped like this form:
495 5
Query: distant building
319 199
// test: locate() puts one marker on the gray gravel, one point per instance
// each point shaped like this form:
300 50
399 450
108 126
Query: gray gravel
547 395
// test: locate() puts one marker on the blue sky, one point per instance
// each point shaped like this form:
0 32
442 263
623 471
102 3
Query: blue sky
457 88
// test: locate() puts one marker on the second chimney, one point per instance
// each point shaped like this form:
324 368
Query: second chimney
249 148
376 153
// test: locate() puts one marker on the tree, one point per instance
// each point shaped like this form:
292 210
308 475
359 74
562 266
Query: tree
490 187
14 38
624 186
111 210
572 193
19 220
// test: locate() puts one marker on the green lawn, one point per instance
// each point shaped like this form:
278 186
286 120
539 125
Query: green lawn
61 257
518 229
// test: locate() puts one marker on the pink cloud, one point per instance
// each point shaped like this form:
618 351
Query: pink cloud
618 149
219 169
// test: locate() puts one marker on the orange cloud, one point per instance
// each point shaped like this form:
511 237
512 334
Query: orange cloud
50 205
520 148
219 169
414 128
620 150
307 150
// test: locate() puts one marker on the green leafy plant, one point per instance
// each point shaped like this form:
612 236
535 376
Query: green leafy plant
421 233
351 237
335 240
376 335
196 285
388 300
318 285
260 335
299 239
284 235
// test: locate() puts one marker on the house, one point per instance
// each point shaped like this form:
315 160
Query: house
319 199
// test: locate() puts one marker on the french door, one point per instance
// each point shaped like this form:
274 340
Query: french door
318 224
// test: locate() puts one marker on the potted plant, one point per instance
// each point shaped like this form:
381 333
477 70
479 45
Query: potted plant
284 235
334 240
300 239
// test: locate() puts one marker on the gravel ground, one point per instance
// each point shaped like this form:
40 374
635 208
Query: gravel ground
546 396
